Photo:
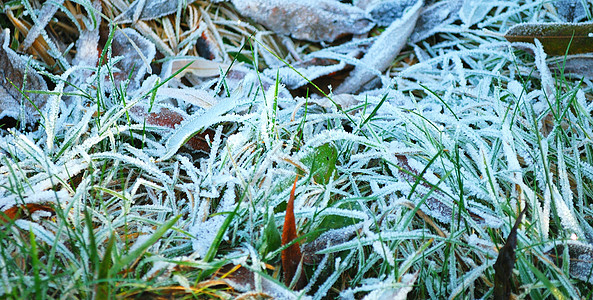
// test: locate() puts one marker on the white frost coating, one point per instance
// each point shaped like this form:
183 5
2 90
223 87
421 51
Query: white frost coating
383 251
46 236
199 98
567 218
206 231
382 53
516 89
469 278
193 124
544 214
45 15
391 289
474 11
35 196
513 165
5 286
295 80
147 166
563 177
53 108
549 88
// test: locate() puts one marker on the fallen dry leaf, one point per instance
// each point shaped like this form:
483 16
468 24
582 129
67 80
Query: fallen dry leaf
311 20
149 10
382 53
555 37
16 212
137 53
199 66
434 18
16 75
581 259
167 118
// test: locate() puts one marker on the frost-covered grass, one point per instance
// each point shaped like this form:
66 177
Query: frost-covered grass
427 177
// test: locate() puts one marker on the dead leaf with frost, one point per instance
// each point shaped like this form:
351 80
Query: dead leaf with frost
575 65
167 119
244 280
505 262
310 20
199 66
137 53
385 12
16 75
328 239
149 10
434 18
570 10
557 38
581 259
382 53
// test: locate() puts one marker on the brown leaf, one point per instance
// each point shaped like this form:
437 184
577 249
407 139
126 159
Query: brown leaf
243 280
13 72
291 256
503 267
311 20
329 238
167 118
555 37
16 212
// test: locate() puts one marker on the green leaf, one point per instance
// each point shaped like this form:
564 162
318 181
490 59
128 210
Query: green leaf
103 276
271 239
557 38
322 162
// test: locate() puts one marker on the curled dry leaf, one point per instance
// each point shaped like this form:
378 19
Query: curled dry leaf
503 267
311 20
15 75
555 37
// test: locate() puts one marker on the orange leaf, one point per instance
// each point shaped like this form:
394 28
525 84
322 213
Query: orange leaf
291 256
15 212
